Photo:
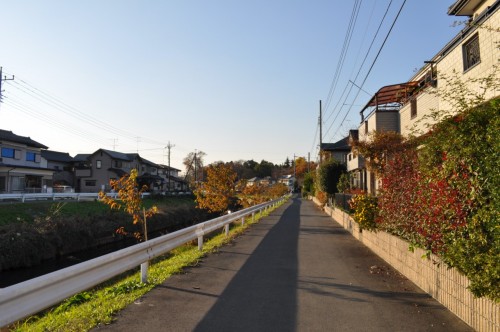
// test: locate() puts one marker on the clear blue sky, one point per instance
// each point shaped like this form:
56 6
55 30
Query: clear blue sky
235 79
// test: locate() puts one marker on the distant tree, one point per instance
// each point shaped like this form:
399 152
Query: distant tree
217 193
250 164
300 167
194 166
287 163
265 168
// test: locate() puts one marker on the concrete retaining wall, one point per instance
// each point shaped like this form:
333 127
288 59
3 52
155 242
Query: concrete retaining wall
444 284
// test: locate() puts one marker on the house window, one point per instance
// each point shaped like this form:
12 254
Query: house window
366 127
2 184
413 107
98 164
471 52
90 183
31 156
17 183
118 164
8 152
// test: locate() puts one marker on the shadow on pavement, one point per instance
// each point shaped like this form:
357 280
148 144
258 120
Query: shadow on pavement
262 295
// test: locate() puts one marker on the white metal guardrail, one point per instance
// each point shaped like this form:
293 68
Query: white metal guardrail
55 196
30 297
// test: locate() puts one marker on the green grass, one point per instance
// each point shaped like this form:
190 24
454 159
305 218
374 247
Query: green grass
98 306
26 212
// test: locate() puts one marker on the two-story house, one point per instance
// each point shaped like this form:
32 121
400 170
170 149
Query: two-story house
406 108
172 181
22 168
338 150
62 164
381 113
470 57
94 171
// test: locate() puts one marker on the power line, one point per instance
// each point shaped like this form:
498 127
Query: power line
55 102
345 47
352 82
374 61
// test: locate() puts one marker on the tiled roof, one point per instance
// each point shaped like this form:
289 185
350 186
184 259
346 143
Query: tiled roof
9 136
63 157
342 145
81 157
116 155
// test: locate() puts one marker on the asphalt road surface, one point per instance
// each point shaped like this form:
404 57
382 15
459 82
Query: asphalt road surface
296 270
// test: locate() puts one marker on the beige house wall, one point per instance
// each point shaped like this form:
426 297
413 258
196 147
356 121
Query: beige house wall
451 65
426 103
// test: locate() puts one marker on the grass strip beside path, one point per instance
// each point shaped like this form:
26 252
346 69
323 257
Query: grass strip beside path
98 306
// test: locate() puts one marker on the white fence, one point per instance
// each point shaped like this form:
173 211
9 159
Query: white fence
23 197
32 296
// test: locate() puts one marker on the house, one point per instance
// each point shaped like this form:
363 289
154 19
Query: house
22 168
287 180
406 107
62 165
338 150
94 171
473 54
172 181
356 165
256 181
380 114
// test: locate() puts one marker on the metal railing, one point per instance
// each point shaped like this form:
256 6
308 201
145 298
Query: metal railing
30 297
23 197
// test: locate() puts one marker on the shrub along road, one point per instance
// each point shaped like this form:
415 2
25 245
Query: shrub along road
294 271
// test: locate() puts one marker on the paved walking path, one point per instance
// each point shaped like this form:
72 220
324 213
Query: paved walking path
297 270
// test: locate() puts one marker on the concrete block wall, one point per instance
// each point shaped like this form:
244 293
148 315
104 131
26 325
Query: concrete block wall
444 284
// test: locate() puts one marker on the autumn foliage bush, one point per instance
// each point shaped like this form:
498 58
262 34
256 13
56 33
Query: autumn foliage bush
444 195
256 194
365 211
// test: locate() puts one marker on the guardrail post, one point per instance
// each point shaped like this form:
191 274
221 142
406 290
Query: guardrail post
226 229
253 216
22 198
242 220
144 272
200 243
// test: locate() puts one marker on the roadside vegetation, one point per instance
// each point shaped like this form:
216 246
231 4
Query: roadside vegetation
33 232
99 305
441 192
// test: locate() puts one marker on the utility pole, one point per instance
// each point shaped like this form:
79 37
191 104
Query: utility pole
114 143
320 131
3 78
169 146
138 139
294 167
